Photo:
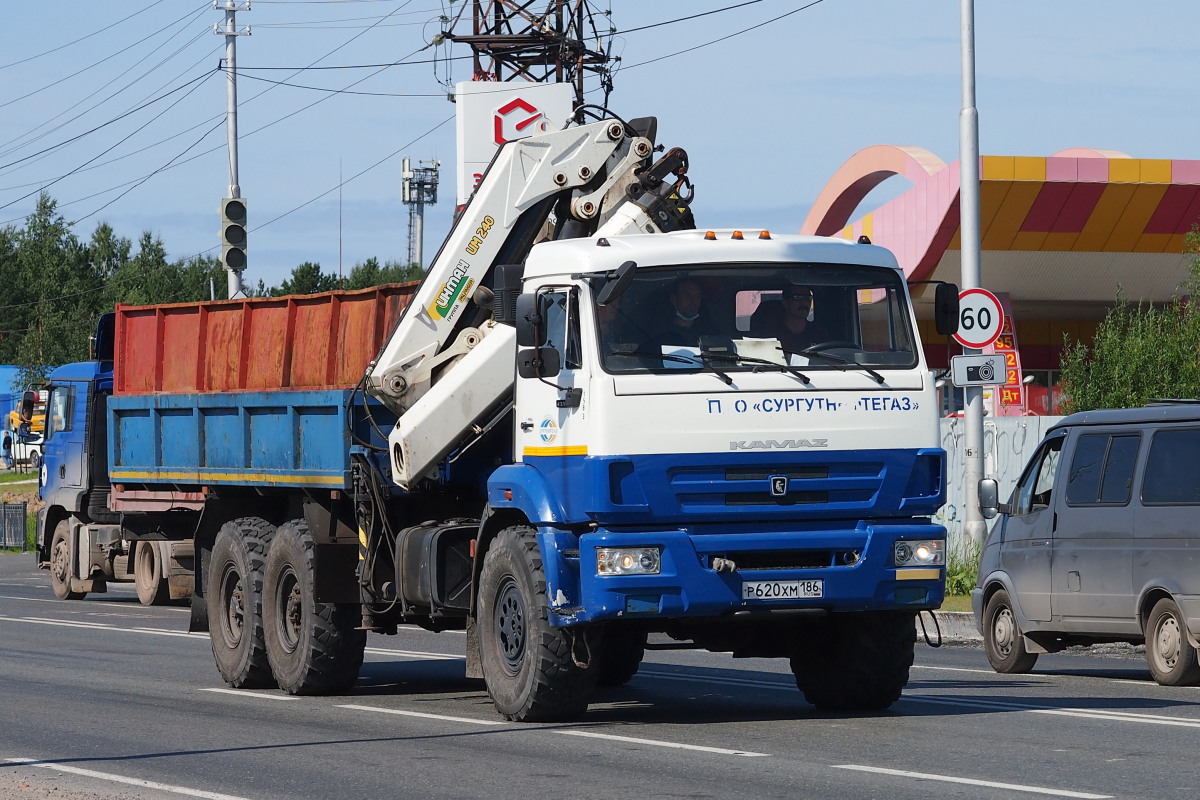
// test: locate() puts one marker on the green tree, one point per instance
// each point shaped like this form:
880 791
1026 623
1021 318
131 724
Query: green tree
1140 353
56 291
306 279
369 273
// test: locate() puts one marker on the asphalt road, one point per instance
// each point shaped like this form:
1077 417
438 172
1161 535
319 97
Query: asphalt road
102 698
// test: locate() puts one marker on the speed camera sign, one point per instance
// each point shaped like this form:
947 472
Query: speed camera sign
980 318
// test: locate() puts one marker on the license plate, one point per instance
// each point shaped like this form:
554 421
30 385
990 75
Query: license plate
782 590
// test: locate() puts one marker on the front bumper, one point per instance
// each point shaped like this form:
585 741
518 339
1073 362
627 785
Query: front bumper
854 565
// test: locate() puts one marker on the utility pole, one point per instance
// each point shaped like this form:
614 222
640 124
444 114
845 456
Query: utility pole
512 43
230 32
968 205
419 190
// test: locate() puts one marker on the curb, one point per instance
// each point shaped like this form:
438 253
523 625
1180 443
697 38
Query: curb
956 626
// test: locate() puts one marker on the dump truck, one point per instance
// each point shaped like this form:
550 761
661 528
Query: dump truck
546 450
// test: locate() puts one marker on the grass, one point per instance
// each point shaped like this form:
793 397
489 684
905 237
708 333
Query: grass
956 602
17 475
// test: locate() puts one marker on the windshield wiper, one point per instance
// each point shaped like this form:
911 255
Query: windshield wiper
741 359
841 363
696 361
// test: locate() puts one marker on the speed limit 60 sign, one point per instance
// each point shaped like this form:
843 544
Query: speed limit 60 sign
980 318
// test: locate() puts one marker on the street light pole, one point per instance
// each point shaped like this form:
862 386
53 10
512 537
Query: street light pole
968 204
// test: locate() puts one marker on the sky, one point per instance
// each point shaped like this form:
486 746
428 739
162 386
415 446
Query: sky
117 109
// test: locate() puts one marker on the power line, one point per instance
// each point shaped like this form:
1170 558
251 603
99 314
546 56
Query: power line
81 38
340 91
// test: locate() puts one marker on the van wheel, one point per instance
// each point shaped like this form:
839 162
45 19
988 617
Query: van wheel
60 562
1171 657
149 575
1002 638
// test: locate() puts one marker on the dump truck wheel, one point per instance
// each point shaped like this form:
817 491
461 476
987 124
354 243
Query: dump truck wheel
150 575
314 648
855 662
234 603
618 656
61 554
527 664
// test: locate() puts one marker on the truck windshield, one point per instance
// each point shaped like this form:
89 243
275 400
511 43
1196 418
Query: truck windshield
815 316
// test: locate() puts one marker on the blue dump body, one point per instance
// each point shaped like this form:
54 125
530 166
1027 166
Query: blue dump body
286 439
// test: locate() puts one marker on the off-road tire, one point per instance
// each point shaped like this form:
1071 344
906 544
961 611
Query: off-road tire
618 655
855 662
1002 639
150 574
234 603
528 667
1171 657
61 556
313 648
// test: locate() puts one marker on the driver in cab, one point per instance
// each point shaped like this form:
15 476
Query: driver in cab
792 320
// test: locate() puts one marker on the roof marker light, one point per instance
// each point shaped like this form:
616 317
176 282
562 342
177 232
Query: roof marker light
764 234
864 239
737 235
709 236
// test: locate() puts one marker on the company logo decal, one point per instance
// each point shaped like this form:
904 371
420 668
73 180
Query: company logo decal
773 444
455 288
549 430
517 119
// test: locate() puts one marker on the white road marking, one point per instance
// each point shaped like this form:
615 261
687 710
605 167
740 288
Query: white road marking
563 732
90 603
424 715
383 651
1016 787
102 626
1086 713
108 776
661 743
255 695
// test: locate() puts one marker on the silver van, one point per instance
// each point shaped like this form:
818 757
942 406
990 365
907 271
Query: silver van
1100 542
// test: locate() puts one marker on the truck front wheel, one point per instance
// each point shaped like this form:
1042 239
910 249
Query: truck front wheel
150 575
314 648
855 662
530 672
234 598
61 554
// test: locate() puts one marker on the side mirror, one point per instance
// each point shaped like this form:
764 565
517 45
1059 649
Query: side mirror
989 498
538 362
945 309
530 322
616 285
28 400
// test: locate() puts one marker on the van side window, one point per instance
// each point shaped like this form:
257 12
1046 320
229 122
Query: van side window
1033 490
1172 468
1102 469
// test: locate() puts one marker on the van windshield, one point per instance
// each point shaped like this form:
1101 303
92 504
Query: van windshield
815 316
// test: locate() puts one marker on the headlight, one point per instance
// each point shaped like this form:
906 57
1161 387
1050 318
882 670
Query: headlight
628 560
922 553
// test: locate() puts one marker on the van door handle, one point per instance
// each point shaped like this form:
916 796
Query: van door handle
1040 543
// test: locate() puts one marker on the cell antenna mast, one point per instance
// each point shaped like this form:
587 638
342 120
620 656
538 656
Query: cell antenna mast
419 190
513 41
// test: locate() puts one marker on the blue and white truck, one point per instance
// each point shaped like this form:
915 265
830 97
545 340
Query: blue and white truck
539 456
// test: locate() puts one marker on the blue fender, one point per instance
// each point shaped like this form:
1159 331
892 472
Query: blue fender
524 488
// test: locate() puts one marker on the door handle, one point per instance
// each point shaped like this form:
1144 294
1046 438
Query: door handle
62 470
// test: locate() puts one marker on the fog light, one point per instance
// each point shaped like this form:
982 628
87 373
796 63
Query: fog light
628 560
924 553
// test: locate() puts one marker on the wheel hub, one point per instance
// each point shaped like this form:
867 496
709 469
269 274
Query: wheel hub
510 626
1004 632
1168 642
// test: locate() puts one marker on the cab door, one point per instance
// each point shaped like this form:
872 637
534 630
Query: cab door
63 445
1026 552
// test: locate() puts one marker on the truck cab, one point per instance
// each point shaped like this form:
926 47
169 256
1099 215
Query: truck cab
82 536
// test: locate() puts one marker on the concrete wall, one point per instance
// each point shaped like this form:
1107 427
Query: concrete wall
1007 445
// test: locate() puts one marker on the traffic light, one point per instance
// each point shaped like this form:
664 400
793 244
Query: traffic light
233 233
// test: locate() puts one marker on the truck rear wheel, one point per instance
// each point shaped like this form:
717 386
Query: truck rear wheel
527 664
61 555
150 574
856 662
314 648
234 601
